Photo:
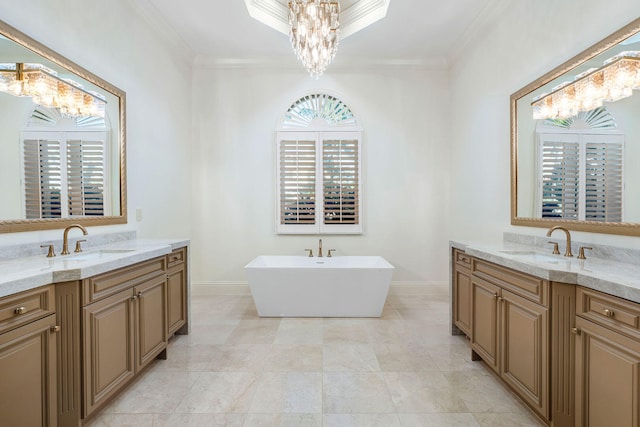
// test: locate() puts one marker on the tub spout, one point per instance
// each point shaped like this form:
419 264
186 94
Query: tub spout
320 248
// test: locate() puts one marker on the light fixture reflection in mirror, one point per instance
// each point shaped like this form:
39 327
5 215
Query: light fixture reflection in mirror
575 163
62 140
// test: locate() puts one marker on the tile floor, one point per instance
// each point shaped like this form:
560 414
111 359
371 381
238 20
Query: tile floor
236 369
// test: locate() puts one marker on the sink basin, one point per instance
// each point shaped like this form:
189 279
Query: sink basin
103 253
519 252
532 255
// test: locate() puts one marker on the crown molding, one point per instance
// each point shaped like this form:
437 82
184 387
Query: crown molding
487 16
286 63
354 14
161 28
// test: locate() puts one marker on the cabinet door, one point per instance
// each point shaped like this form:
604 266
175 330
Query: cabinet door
607 377
28 375
484 336
524 341
462 300
151 316
176 298
108 351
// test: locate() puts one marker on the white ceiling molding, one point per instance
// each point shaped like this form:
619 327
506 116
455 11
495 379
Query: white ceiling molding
354 14
485 19
203 62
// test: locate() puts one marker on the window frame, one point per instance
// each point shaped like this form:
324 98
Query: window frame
319 226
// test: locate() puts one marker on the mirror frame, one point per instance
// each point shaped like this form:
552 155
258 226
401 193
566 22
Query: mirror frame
630 229
11 226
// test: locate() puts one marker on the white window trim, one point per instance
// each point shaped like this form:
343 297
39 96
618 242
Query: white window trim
319 227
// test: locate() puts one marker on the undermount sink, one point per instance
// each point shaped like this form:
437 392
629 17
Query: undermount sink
532 255
519 252
102 253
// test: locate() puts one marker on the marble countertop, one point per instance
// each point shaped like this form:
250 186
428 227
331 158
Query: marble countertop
621 279
24 273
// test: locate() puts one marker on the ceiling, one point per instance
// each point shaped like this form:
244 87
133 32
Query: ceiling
411 31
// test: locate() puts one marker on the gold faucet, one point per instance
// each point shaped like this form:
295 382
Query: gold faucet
320 248
65 238
566 232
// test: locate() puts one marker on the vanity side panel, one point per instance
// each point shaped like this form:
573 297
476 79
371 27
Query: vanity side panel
69 363
563 297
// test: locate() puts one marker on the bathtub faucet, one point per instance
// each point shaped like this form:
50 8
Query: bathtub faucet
320 248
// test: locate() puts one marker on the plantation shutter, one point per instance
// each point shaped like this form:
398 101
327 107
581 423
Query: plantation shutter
297 181
85 175
581 176
64 177
603 182
340 181
560 179
42 178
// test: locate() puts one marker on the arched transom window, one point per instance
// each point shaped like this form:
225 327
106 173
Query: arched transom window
319 188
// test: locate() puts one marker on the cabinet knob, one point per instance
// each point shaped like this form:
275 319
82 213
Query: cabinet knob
20 310
576 331
55 328
608 313
134 297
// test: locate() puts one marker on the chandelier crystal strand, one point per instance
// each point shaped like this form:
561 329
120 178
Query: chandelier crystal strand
315 30
47 89
615 80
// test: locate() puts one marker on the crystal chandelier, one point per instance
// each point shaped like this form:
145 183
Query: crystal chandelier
614 80
47 89
315 28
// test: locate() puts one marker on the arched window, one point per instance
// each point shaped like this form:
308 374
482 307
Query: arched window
581 167
319 185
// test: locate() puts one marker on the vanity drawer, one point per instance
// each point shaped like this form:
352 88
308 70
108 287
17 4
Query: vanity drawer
461 258
106 284
523 284
24 307
176 257
608 310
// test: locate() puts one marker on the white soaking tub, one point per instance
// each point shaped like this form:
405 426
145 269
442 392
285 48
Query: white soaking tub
300 286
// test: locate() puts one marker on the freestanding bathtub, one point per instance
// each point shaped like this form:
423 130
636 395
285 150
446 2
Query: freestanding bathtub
300 286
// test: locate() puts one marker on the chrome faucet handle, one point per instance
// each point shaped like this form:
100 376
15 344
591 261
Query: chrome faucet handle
78 247
310 252
581 252
556 251
329 253
51 253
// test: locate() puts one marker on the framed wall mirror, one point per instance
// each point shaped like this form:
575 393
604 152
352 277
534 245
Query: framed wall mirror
62 140
575 141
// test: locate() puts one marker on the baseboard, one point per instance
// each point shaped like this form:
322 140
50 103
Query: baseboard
397 288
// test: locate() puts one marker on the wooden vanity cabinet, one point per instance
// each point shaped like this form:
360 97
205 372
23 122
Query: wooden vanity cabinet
607 360
520 326
462 291
177 291
28 358
510 329
124 331
113 325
